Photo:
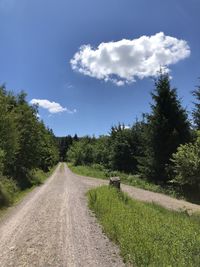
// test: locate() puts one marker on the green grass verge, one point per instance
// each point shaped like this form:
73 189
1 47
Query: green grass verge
95 171
39 178
11 194
147 234
99 171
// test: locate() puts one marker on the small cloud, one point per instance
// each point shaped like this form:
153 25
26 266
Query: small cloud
68 85
123 61
52 107
72 111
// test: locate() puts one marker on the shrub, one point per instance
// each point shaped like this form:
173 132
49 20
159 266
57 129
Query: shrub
8 188
187 163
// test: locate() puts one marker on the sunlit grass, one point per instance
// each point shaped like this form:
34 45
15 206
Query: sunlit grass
147 234
98 171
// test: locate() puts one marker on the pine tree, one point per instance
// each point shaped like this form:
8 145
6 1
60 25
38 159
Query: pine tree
196 111
168 127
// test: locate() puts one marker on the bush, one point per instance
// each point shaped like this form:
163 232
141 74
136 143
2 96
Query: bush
81 152
8 188
187 163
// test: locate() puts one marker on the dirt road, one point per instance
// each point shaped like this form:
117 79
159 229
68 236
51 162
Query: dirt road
149 196
52 226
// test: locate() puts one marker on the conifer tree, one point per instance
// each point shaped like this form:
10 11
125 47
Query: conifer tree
196 111
168 127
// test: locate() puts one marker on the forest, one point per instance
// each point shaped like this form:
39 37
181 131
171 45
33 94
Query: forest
26 145
163 147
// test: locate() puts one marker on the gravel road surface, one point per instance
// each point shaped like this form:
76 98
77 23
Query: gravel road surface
52 226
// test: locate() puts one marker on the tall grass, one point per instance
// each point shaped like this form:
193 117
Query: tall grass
147 234
95 170
11 193
8 189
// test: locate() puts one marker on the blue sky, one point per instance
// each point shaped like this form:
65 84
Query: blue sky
39 39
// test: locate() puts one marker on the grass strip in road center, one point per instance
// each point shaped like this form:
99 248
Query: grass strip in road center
147 234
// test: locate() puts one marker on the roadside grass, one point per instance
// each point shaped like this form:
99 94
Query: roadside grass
147 234
39 178
11 194
95 170
8 189
98 171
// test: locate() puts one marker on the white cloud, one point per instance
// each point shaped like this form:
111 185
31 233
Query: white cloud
123 61
68 85
52 107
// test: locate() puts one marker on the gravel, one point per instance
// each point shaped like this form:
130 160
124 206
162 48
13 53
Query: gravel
53 226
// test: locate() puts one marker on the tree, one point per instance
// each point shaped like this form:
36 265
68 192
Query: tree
28 154
102 151
187 163
48 150
25 143
122 148
8 132
81 152
64 144
168 127
196 111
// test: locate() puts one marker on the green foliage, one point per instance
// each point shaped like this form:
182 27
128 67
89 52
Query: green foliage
102 151
10 193
167 128
147 234
64 144
81 152
187 163
147 146
119 151
94 170
8 189
123 149
25 143
2 158
196 111
99 171
8 129
39 176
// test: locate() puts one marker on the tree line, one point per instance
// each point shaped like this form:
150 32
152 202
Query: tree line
25 143
164 146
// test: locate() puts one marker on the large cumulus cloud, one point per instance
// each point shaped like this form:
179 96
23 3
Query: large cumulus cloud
123 61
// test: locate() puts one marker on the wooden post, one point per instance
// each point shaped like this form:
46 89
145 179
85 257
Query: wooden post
115 182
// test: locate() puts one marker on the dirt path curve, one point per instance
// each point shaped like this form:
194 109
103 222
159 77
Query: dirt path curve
161 199
148 196
52 226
